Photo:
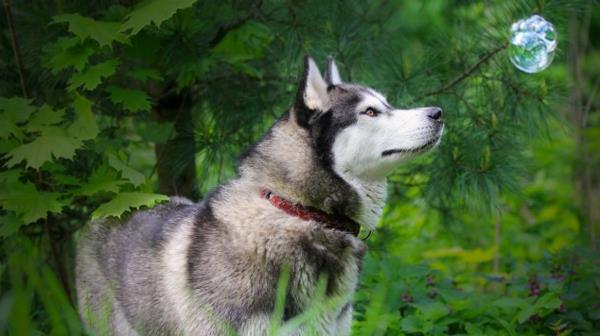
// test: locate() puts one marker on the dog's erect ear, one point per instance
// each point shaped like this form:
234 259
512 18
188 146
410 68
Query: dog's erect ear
312 98
332 75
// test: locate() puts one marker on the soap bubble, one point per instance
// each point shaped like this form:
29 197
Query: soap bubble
532 44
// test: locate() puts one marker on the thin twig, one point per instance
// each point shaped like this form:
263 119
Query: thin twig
62 275
52 240
465 74
15 47
224 30
497 242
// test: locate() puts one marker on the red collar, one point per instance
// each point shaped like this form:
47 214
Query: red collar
336 222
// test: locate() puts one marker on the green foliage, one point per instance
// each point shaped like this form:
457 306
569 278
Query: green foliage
28 203
128 173
84 127
244 44
15 109
67 52
125 201
155 132
103 179
52 142
44 118
83 27
92 76
55 144
29 275
132 100
479 238
152 11
419 300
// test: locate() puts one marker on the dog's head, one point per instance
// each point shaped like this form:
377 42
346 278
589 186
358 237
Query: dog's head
356 131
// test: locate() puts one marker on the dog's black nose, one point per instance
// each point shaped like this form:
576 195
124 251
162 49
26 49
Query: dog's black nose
434 113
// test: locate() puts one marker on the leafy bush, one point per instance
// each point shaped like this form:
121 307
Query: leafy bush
556 297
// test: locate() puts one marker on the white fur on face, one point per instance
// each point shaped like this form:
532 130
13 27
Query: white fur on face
359 149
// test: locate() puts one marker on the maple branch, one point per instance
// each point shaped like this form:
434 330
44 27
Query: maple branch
62 274
588 106
15 47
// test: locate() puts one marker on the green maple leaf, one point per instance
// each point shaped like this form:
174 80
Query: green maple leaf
84 127
153 131
244 43
92 76
29 203
9 224
152 11
8 128
16 109
143 75
132 100
53 143
135 177
84 27
66 53
6 145
62 178
104 179
8 178
123 202
45 116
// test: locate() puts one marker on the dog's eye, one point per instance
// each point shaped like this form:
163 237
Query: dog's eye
371 112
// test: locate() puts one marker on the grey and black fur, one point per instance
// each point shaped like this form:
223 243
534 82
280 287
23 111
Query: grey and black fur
212 268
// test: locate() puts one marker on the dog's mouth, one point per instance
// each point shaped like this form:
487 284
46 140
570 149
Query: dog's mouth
419 149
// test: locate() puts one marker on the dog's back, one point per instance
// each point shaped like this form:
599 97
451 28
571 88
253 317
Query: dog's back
120 270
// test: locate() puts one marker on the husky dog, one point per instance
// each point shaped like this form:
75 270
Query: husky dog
297 203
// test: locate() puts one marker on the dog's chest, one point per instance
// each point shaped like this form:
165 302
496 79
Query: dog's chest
323 265
326 274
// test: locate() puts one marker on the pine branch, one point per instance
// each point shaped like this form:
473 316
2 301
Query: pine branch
15 47
468 72
520 91
224 30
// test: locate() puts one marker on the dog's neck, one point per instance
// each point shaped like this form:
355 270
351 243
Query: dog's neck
373 195
286 162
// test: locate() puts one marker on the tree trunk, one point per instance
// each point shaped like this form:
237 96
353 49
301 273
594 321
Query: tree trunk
176 158
578 44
